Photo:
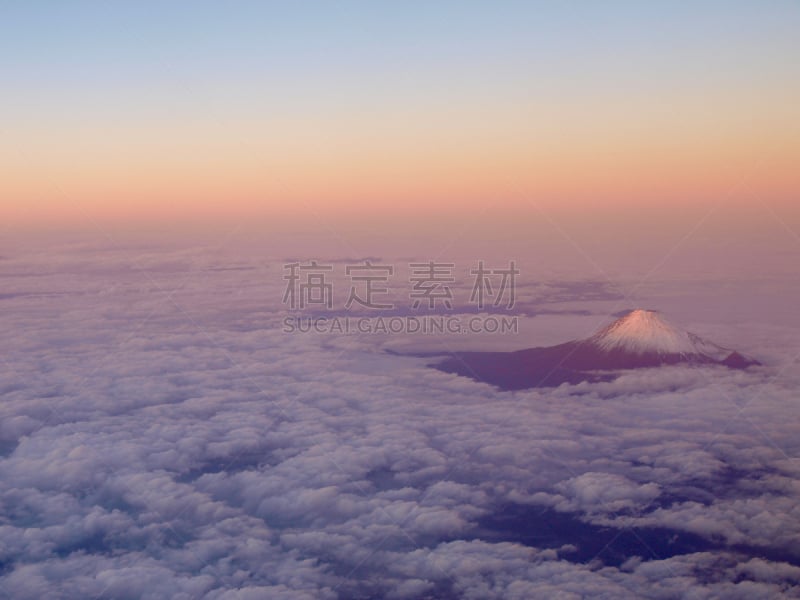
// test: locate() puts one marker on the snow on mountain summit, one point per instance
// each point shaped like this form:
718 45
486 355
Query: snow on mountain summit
645 332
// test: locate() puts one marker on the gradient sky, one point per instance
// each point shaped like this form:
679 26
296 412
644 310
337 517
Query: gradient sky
153 111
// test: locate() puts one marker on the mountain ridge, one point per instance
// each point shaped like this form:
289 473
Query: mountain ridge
640 339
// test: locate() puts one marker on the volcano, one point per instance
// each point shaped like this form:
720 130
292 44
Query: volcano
640 339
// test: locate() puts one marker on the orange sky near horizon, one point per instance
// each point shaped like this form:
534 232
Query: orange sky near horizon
624 119
348 164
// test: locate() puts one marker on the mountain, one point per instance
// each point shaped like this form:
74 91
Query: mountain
641 338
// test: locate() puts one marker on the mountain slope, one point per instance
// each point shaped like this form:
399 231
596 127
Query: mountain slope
639 339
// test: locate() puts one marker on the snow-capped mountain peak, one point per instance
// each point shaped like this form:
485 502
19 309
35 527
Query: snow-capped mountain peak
646 332
640 339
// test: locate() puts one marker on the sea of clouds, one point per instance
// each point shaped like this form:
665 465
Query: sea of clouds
160 437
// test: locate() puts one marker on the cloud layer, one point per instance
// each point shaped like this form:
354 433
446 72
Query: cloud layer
161 438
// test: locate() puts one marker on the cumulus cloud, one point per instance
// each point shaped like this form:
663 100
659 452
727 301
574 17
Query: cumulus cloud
160 442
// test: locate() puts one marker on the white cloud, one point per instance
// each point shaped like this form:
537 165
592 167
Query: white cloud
146 452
